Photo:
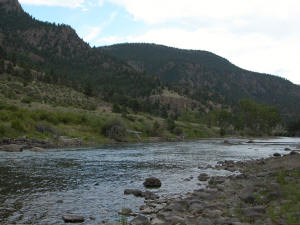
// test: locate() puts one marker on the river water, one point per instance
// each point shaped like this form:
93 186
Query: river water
38 188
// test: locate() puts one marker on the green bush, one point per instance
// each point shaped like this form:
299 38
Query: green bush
2 130
18 125
114 129
12 108
26 100
178 131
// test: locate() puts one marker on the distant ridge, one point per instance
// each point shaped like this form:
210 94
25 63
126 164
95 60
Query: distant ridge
202 75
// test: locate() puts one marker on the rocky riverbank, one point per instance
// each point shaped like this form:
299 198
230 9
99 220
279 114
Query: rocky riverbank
18 144
266 191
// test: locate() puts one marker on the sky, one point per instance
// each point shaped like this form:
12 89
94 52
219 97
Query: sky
256 35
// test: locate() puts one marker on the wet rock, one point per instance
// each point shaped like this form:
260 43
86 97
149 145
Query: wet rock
148 195
294 153
156 221
287 149
135 192
250 141
152 182
125 212
196 208
212 213
140 220
12 148
247 196
148 211
254 212
175 219
276 154
37 149
203 177
69 218
216 180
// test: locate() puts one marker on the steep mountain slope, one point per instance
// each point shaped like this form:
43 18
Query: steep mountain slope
57 51
205 76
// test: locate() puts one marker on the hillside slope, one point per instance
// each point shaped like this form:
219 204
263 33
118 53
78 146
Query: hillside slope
203 75
57 51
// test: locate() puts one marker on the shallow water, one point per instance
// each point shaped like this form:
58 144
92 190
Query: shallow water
38 188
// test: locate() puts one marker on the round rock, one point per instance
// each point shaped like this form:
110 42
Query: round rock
152 182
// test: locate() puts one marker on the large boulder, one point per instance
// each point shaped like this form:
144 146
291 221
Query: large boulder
12 148
152 182
69 218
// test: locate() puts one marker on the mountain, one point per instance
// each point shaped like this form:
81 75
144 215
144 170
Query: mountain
144 77
11 5
204 76
62 57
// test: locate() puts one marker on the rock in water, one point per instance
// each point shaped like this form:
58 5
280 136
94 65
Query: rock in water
135 192
37 149
125 212
276 155
152 182
140 220
12 148
69 218
293 153
203 177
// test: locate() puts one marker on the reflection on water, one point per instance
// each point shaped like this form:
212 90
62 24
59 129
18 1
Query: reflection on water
38 188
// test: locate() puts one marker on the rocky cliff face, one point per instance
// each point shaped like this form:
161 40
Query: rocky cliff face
11 5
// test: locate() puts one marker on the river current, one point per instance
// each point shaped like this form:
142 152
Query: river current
38 188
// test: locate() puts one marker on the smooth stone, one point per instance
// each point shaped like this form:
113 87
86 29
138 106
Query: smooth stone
203 177
69 218
140 220
135 192
152 182
125 212
37 149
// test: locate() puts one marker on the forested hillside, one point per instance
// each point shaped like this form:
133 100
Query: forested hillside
62 57
204 76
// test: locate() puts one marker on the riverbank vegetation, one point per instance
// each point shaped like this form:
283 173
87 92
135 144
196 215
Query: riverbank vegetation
38 110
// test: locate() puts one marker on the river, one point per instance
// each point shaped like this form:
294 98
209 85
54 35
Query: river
38 188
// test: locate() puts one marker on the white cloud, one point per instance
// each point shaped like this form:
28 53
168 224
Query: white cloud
93 32
100 3
256 35
158 11
64 3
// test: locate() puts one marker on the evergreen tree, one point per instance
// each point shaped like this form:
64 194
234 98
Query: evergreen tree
2 66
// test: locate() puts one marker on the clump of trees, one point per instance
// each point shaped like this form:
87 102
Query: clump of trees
293 128
248 117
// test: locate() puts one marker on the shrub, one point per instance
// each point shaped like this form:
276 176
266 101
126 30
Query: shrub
178 131
12 108
26 100
2 130
18 125
114 129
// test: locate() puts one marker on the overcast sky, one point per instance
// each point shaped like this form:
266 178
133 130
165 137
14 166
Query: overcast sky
258 35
